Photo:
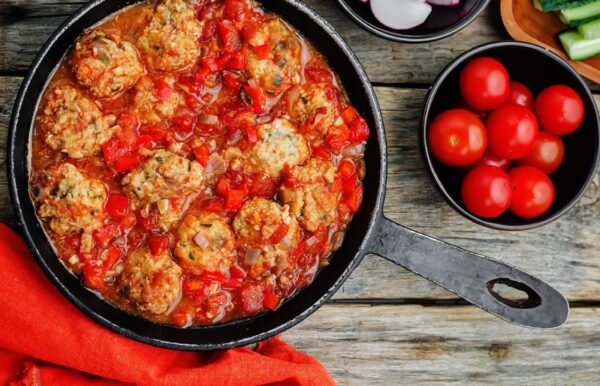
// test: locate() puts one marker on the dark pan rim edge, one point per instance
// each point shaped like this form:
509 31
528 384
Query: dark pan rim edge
22 223
428 158
404 38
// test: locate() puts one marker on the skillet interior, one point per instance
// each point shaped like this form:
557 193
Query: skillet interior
236 333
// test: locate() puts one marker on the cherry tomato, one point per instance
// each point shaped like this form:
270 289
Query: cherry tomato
559 109
546 154
484 83
533 192
512 130
457 137
520 95
486 191
491 159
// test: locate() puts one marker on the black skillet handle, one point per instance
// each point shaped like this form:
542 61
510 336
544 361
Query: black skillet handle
471 276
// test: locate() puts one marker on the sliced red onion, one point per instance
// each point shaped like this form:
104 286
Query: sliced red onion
208 119
400 14
251 256
444 3
201 240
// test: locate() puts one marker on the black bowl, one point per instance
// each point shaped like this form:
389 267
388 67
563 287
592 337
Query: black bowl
537 68
441 23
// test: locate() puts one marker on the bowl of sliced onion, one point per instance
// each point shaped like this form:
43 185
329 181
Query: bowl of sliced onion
413 21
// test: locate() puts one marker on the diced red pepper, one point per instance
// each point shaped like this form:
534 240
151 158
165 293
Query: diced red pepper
193 286
234 199
262 52
233 60
126 163
350 182
208 276
158 244
117 206
237 272
232 80
113 253
93 277
149 222
349 115
230 38
162 89
270 300
223 186
337 137
201 154
279 233
255 96
359 131
355 199
109 232
251 134
144 141
346 168
112 149
321 152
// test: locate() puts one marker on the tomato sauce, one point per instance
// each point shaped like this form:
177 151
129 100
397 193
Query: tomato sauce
213 161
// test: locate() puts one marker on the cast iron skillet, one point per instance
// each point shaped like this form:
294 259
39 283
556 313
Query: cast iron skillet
468 275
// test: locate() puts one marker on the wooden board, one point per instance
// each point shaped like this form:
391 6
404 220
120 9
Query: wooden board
525 23
409 345
569 246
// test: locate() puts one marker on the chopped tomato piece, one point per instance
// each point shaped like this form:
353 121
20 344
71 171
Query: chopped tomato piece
337 137
223 186
262 52
128 121
192 285
349 115
253 97
163 90
232 283
279 234
93 277
145 141
232 80
233 60
359 131
235 9
321 152
149 222
126 163
109 232
158 244
191 101
208 276
349 183
252 298
234 199
113 253
230 38
249 31
337 184
251 134
355 199
237 272
112 149
128 221
270 300
346 168
117 206
215 205
201 154
180 319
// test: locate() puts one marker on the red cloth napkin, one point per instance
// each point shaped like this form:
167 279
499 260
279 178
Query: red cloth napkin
45 340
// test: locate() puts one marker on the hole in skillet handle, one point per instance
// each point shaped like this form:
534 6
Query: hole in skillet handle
533 299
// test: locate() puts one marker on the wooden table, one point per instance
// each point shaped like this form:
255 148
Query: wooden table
387 326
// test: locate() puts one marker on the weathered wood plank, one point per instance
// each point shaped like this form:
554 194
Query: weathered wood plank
564 253
26 24
408 345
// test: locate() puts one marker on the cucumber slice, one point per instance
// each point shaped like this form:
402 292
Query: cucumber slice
577 47
555 5
590 30
580 13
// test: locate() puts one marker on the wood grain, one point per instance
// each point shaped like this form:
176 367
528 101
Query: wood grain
408 345
25 24
563 253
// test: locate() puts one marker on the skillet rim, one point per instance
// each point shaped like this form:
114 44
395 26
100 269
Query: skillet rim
26 226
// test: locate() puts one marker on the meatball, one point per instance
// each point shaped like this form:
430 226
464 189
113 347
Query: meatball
73 124
280 67
314 107
205 241
315 201
266 234
154 102
163 175
105 65
149 283
279 144
72 201
170 40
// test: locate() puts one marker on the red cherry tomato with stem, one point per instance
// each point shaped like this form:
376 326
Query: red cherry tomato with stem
546 154
486 191
512 130
559 109
457 137
533 192
484 83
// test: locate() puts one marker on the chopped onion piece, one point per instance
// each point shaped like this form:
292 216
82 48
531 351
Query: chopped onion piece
251 256
215 165
208 119
354 150
201 240
400 14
